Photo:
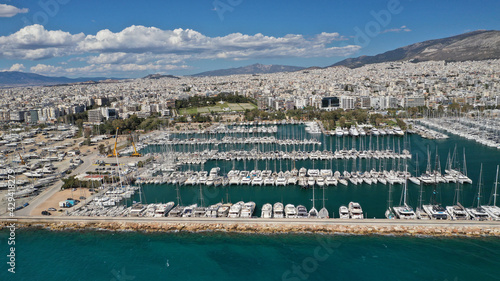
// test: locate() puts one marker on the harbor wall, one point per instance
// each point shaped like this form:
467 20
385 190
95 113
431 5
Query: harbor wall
366 227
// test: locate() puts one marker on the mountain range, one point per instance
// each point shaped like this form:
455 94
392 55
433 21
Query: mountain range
251 69
23 79
476 45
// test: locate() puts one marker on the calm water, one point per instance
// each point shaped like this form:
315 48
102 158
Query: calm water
44 255
373 198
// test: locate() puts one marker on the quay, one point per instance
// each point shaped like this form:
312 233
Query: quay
263 226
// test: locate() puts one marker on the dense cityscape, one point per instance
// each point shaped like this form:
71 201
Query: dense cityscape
377 87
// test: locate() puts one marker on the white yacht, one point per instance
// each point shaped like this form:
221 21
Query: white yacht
163 209
247 210
343 212
290 211
436 212
267 211
223 210
355 211
258 181
339 132
212 210
478 213
457 212
278 210
281 180
235 210
189 211
353 131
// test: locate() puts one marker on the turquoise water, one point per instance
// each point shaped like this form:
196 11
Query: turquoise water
373 198
94 255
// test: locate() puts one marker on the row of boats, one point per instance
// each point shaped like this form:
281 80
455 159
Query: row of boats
485 131
454 212
302 177
427 133
243 129
232 140
243 155
220 210
357 131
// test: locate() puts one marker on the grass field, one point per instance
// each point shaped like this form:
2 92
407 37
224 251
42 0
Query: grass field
218 108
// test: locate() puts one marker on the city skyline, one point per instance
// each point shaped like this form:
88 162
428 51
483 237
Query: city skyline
67 38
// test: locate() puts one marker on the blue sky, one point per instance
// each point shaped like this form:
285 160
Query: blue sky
134 38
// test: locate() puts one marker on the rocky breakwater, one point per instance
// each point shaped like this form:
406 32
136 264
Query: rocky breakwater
271 228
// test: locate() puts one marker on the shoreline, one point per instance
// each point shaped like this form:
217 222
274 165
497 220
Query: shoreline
263 226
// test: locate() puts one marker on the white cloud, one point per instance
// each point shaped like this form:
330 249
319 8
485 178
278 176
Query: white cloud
7 11
103 69
35 42
46 69
400 29
17 67
138 48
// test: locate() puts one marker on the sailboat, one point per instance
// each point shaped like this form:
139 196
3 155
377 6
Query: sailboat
313 213
323 213
199 211
478 213
404 211
457 211
389 213
435 210
414 179
494 210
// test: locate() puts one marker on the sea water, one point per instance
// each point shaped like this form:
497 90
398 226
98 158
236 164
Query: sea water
104 255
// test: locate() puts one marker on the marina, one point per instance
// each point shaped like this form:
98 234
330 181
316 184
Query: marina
238 171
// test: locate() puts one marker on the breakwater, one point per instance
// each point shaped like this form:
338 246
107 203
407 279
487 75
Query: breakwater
262 226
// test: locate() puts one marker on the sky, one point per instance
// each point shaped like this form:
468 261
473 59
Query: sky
129 39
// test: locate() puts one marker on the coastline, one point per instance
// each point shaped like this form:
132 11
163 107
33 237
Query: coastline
262 226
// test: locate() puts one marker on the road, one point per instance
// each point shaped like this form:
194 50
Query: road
46 194
255 221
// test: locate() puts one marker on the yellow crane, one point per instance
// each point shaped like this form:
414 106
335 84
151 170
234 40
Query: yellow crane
22 160
115 153
135 154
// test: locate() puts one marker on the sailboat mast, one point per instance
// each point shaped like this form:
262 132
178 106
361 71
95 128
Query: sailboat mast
479 186
404 192
495 194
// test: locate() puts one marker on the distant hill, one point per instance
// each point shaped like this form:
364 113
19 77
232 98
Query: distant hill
251 69
21 79
476 45
158 76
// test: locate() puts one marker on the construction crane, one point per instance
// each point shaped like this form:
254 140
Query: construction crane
22 160
135 154
115 153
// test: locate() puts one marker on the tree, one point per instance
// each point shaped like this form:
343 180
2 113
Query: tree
102 149
342 121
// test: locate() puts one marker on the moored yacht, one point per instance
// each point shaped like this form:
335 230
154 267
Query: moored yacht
301 211
212 210
247 210
267 211
355 211
457 212
163 209
290 211
235 210
343 212
278 212
223 210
